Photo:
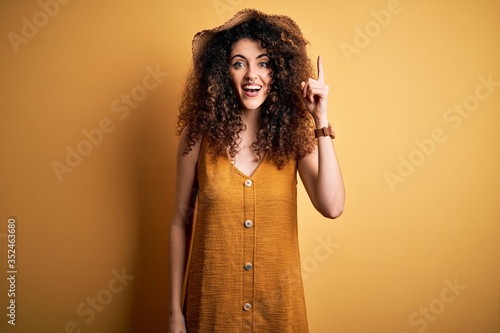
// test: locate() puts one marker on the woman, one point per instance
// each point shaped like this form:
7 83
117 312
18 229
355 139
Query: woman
246 123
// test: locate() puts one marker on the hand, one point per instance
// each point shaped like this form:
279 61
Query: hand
315 93
177 324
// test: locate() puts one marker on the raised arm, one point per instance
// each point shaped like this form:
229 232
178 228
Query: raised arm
320 170
181 228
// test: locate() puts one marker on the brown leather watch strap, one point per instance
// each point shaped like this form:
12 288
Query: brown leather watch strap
325 131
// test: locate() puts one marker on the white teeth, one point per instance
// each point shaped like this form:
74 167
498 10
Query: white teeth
252 87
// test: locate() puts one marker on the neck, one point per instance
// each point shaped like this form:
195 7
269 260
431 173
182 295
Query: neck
250 117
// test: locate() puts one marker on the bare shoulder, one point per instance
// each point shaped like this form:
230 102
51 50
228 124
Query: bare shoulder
308 164
186 177
194 153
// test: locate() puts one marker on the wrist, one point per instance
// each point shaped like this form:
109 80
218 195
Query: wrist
321 122
324 131
175 311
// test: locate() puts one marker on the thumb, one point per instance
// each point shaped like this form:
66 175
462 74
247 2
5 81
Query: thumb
302 85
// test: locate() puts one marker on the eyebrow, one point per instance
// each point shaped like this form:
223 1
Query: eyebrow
241 56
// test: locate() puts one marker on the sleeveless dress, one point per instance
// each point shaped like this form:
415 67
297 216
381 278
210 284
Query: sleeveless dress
244 273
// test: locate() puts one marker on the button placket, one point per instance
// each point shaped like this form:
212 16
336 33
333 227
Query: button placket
248 270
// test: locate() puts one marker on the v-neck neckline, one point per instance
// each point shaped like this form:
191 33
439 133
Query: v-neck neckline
241 173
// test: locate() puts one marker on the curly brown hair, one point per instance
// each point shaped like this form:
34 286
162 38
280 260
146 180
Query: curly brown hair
210 108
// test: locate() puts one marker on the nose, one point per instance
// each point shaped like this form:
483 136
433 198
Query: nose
251 73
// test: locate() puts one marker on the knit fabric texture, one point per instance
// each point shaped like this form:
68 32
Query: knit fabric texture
244 272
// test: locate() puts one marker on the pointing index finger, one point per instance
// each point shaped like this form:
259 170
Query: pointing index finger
321 72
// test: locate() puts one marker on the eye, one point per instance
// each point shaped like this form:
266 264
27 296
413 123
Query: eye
264 64
238 64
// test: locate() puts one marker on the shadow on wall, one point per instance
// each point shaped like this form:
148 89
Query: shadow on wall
153 156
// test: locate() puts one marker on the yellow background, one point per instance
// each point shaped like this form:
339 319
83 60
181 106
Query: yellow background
392 253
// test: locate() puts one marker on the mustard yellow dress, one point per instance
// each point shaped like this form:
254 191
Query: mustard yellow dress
244 273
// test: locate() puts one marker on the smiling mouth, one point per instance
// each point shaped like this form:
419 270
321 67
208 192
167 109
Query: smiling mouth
251 90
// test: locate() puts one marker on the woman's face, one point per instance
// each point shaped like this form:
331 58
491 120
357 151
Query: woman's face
250 73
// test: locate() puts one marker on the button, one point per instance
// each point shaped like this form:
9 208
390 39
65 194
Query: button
247 307
248 266
248 182
248 223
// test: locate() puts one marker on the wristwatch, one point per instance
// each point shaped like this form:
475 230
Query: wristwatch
325 131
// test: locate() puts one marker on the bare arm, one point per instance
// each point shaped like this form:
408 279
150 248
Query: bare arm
320 170
180 229
320 173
